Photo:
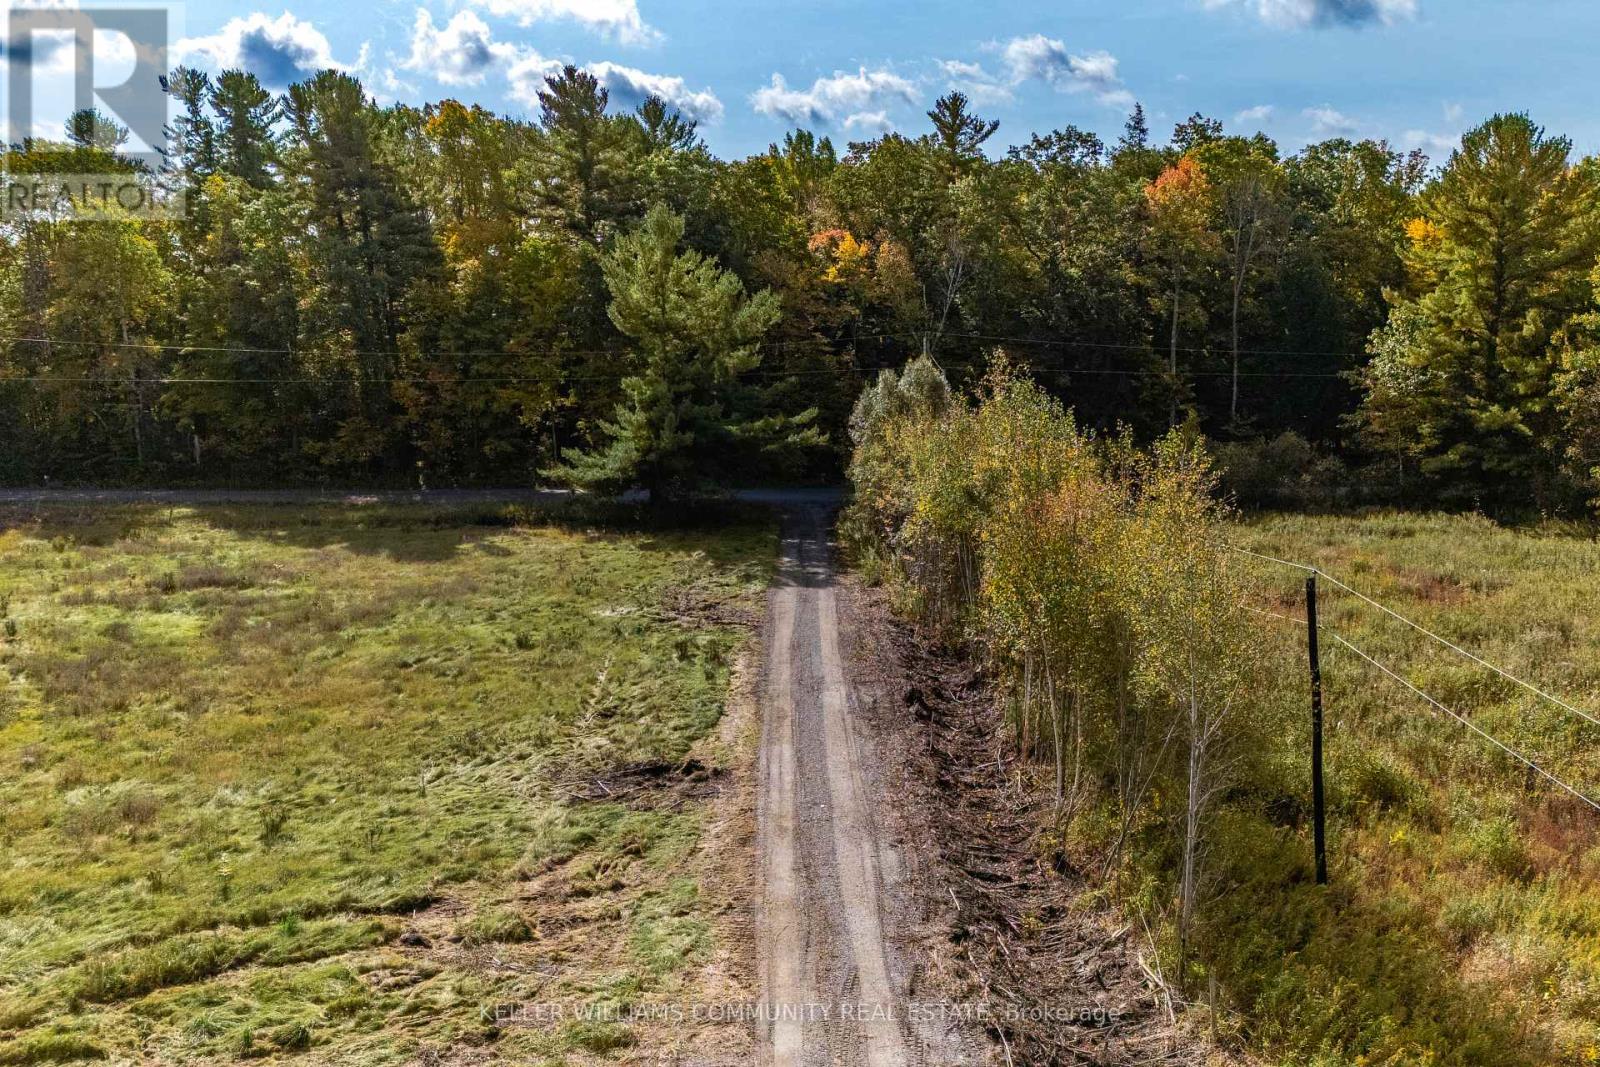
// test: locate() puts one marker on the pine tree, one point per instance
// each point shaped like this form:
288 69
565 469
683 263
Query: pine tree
1135 132
1466 372
247 114
693 331
959 134
192 148
367 246
88 129
666 129
583 177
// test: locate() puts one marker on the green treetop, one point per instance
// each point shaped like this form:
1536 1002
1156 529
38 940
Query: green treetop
693 330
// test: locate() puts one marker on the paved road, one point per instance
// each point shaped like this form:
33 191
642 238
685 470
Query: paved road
835 904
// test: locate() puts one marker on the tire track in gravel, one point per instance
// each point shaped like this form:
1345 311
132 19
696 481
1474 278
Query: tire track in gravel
781 977
835 910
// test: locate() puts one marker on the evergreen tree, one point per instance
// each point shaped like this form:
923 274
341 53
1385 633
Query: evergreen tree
1135 132
366 245
1465 371
88 129
666 129
247 117
959 134
582 176
693 331
192 138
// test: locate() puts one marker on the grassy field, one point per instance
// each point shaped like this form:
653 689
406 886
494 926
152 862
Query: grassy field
1463 925
286 780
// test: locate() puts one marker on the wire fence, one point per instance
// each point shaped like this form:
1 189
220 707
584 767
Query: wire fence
1500 744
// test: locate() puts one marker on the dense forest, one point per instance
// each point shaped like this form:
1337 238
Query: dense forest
441 296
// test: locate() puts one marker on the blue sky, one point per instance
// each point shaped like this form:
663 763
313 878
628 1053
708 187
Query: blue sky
1416 72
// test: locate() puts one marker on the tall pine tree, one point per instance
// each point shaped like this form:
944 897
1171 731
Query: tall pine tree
1464 374
693 330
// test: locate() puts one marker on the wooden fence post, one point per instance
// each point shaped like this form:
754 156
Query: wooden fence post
1318 811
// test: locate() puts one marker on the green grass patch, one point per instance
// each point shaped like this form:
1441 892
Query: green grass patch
240 745
1463 923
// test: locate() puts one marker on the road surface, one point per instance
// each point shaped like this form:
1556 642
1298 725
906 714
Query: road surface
836 962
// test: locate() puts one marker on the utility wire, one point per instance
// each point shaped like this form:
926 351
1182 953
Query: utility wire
547 379
1161 372
1068 342
1464 721
903 334
248 351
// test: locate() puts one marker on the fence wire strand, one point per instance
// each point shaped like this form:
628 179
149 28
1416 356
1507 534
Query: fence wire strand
1469 724
1452 646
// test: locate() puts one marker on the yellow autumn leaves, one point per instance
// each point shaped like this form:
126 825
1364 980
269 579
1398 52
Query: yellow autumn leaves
1086 573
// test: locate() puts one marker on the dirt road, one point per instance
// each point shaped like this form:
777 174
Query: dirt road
837 958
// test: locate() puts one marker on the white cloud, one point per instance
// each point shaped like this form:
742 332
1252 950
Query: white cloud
630 86
465 52
871 121
958 68
617 19
391 87
527 76
1302 13
50 51
976 82
278 51
40 129
1041 58
831 98
1327 122
1435 144
461 53
1047 59
1439 143
1259 113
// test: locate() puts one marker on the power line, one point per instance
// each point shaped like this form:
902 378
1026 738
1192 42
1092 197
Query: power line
1464 721
547 379
900 334
148 346
1158 372
1205 349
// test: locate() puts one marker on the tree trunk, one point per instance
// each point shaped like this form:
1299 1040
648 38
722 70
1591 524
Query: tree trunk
1233 403
138 402
1172 355
1055 725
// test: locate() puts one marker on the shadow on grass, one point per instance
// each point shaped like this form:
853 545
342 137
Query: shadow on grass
412 533
1345 970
